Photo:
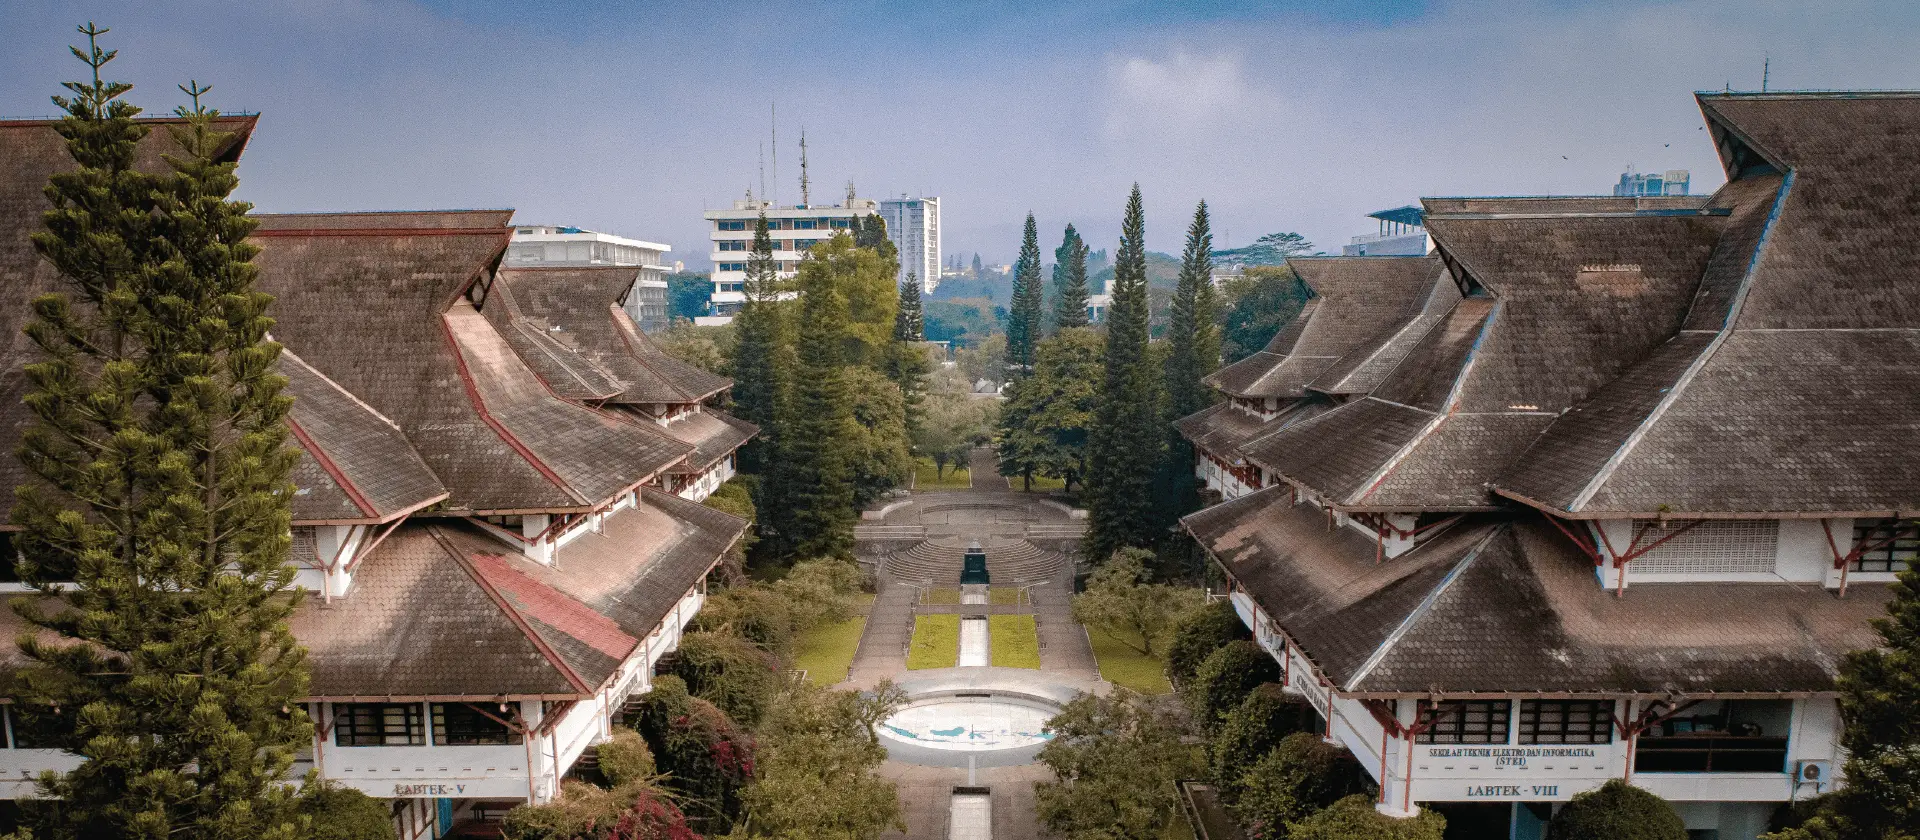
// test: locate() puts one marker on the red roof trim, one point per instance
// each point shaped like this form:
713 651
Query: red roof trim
480 405
546 651
377 232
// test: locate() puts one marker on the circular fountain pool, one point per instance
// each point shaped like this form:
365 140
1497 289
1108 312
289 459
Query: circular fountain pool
988 728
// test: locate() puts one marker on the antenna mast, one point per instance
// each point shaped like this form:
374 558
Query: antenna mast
1766 69
849 193
763 173
803 167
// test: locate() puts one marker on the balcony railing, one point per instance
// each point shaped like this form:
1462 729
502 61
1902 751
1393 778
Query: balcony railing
1711 754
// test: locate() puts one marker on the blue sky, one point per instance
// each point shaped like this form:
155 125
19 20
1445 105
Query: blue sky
633 117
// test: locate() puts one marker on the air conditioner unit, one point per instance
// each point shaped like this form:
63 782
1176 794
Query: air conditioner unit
1812 772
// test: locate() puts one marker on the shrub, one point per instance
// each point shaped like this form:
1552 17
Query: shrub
729 672
1202 632
1252 730
1225 679
819 591
1354 818
704 756
1299 777
584 812
752 612
625 759
340 813
1617 811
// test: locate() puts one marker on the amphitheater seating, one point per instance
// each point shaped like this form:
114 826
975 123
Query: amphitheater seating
1009 560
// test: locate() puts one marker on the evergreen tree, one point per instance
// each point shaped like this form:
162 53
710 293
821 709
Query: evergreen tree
1023 322
160 437
1125 443
907 362
1070 282
818 509
760 382
1193 345
1044 421
979 271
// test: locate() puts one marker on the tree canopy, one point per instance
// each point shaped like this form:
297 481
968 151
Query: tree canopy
1125 442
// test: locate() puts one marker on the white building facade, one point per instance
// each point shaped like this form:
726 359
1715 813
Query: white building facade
793 229
553 246
914 226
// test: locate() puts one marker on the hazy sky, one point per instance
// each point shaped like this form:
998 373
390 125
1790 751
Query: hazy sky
633 117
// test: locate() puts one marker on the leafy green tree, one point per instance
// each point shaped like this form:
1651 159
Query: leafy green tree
1044 422
753 612
1272 249
955 425
342 813
1125 442
1121 603
1225 679
160 441
1294 780
1193 351
819 591
1619 811
1879 691
863 277
1258 304
728 671
816 774
1024 318
1252 730
707 348
762 361
688 293
1070 282
1115 760
876 446
1202 632
816 517
1354 818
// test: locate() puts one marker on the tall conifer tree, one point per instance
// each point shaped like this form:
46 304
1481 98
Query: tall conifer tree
818 510
907 363
1070 282
1024 318
1125 443
1193 339
760 372
160 435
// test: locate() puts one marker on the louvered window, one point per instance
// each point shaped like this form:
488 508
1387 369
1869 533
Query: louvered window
379 725
1466 722
1566 722
459 724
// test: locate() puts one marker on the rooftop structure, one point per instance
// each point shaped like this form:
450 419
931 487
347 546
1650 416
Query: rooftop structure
794 230
535 246
1400 235
1601 488
496 502
1670 182
913 224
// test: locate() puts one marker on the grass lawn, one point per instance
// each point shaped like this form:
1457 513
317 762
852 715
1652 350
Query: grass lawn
943 595
1041 484
936 642
1003 595
955 478
1122 665
1014 640
1177 828
826 652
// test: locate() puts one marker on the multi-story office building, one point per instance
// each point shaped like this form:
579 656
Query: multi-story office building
1586 494
1670 182
914 226
1400 235
794 230
535 246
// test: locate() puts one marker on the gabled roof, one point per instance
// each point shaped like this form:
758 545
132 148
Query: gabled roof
425 620
1368 364
358 465
570 320
1496 604
1354 299
1794 380
713 434
1222 428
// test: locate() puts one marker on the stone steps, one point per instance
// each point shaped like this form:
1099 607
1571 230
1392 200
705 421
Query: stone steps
1008 561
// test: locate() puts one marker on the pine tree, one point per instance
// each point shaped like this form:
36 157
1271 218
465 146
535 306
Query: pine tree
1070 282
1125 443
907 363
979 271
1023 322
759 371
1193 339
813 465
160 436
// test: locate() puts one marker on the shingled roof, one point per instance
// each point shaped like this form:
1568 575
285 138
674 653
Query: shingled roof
1499 605
1790 390
1354 299
358 465
573 315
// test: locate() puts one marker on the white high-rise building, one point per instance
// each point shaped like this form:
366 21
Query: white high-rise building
914 226
534 246
794 230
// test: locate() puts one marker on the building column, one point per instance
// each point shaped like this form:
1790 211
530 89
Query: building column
1396 765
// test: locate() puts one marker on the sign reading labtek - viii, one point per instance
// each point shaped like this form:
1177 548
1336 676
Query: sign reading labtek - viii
1506 791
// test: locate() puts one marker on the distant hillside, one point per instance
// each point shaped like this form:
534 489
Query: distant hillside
1163 272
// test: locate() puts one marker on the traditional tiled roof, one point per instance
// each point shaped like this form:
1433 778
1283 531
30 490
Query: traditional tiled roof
570 321
712 433
1222 429
1558 204
1364 367
1793 381
358 465
1354 299
1495 604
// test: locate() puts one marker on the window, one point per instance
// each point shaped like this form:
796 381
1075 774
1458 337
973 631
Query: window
1887 545
378 725
773 224
1566 721
733 266
839 224
733 224
804 224
1466 722
1720 546
733 244
460 724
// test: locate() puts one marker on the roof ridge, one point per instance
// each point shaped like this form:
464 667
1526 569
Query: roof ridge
1639 433
479 404
1419 612
286 353
547 652
1454 396
518 321
629 333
